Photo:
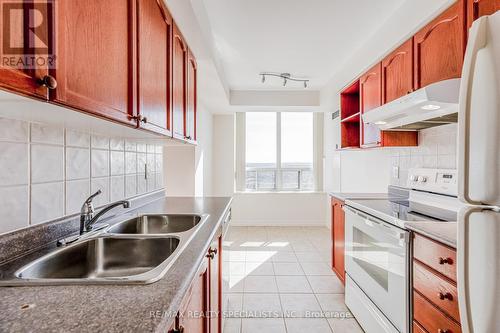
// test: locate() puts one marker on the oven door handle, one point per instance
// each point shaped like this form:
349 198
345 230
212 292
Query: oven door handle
382 226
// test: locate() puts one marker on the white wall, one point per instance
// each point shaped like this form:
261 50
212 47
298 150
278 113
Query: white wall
279 209
204 153
223 155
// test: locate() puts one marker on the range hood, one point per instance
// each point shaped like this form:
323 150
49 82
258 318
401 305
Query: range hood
433 105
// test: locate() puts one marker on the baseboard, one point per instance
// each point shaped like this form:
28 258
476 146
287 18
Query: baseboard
278 223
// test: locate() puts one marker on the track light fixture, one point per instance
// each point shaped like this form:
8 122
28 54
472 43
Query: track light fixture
285 76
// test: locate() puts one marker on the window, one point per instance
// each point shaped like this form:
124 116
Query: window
278 151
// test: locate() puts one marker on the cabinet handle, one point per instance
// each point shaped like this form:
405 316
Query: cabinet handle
443 261
144 120
443 296
187 137
211 253
48 81
178 330
443 331
140 118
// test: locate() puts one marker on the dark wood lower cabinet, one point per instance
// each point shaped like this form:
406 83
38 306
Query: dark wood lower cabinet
338 239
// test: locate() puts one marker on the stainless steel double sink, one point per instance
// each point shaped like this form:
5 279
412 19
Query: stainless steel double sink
138 250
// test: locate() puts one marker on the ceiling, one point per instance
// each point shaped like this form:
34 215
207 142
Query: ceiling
307 38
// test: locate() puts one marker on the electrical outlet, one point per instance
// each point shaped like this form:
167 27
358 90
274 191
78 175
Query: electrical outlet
395 172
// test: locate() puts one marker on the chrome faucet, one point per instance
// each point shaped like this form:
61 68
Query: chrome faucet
87 218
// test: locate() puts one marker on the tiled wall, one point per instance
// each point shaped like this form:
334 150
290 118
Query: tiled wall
437 149
47 172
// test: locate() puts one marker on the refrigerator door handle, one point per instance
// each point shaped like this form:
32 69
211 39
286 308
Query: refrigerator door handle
477 40
462 270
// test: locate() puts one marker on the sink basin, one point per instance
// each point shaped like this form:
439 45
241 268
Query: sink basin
156 224
104 258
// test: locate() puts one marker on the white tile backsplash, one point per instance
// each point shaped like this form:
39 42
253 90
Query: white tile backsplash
117 163
77 191
437 149
47 202
117 188
47 172
14 164
47 163
41 133
99 163
13 207
77 163
77 139
14 130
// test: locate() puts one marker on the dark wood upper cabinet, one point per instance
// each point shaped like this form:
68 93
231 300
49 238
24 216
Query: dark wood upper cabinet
15 45
190 119
96 58
397 73
439 47
371 97
154 40
179 84
478 8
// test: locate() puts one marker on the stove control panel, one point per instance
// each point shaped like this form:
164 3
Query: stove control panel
442 181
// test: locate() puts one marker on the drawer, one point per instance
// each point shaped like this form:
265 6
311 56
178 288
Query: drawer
417 328
436 255
436 289
430 318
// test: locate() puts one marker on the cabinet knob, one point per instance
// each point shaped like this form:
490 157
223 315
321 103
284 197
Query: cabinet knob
144 120
187 137
178 330
443 261
48 81
443 331
443 296
211 253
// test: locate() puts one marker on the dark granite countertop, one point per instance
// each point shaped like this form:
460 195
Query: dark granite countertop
116 308
443 232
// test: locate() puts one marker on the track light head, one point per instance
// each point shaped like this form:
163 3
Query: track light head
284 82
263 78
305 84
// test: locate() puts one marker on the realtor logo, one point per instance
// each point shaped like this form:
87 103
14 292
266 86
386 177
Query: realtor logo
27 34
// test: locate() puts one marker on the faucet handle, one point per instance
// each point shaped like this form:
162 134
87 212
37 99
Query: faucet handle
89 199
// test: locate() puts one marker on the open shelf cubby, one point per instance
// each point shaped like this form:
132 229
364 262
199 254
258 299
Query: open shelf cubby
350 116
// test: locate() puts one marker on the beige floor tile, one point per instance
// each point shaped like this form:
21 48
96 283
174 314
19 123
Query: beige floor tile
293 284
345 326
236 283
333 305
260 284
259 325
232 325
287 268
325 284
260 255
234 304
284 257
259 268
301 325
316 268
309 256
261 306
299 305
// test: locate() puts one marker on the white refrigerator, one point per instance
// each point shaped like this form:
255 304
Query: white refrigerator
478 244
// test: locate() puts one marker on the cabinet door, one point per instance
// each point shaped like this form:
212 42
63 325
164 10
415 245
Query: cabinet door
154 31
96 58
478 8
215 286
191 98
371 97
338 235
179 82
397 73
195 304
439 47
22 44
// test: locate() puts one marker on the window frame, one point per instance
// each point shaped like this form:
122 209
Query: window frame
240 156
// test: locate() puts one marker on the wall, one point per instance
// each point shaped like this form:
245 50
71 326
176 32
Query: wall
48 172
223 155
437 149
204 153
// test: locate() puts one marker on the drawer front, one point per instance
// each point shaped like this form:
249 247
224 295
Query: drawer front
431 319
436 289
417 328
435 255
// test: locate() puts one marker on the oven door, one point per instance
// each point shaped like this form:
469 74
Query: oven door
377 260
